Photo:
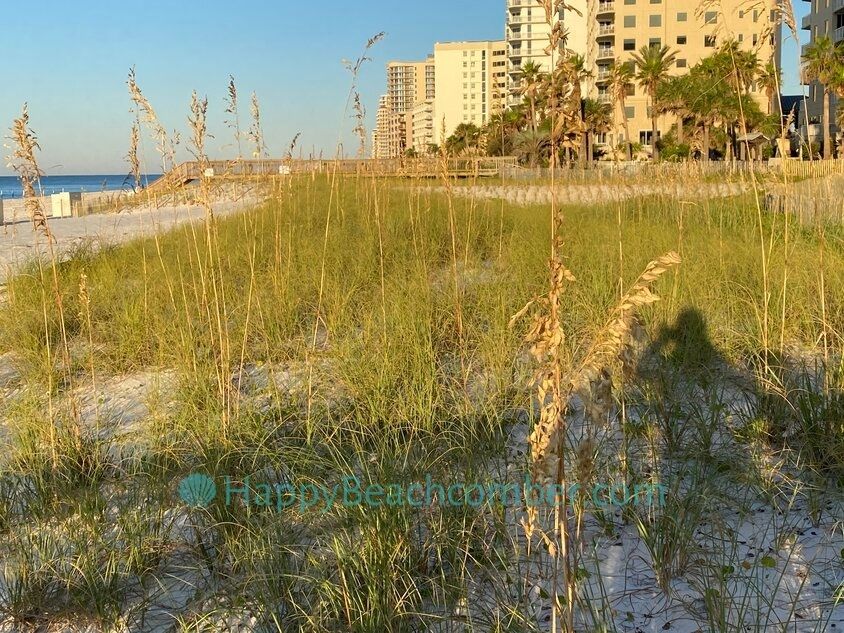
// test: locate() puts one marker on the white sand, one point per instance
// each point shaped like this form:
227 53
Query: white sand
19 243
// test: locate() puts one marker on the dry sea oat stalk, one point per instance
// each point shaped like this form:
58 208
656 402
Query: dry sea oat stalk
24 164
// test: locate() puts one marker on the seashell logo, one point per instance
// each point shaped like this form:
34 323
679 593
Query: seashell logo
197 490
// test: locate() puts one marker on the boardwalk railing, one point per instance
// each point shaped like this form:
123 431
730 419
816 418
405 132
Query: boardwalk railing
398 167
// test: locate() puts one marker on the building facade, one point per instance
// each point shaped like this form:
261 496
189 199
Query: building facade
611 31
408 84
826 17
471 84
422 117
691 33
527 34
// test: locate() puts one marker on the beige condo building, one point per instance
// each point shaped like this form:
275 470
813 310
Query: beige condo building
471 84
826 17
408 84
527 34
610 30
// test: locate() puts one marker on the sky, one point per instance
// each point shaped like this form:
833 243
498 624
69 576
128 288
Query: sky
69 61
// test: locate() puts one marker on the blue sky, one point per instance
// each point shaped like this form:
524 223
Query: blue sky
69 60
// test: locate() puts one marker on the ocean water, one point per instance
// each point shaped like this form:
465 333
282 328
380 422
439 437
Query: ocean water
10 186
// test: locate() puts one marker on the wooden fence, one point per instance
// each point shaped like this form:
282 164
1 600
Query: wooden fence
398 167
812 168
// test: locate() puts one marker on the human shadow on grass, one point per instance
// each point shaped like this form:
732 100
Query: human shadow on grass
691 388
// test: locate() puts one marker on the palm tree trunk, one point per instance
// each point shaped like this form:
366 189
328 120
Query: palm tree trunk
584 147
654 150
627 142
827 142
680 132
615 132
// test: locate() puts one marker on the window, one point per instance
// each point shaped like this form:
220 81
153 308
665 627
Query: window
755 38
681 63
741 14
628 2
741 37
682 16
755 15
645 137
710 17
709 41
655 20
630 90
630 112
629 21
655 42
681 39
656 1
629 45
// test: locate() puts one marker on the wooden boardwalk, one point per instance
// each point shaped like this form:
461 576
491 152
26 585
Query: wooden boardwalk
385 168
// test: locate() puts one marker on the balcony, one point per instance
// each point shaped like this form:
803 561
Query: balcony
606 30
806 24
837 6
606 53
603 76
604 98
519 36
838 34
606 7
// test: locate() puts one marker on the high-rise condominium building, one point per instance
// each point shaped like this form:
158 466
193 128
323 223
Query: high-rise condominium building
380 136
691 30
606 31
471 84
527 34
826 17
408 84
422 117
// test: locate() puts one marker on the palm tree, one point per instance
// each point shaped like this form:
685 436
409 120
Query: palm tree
837 85
770 79
652 66
531 145
596 120
621 78
576 71
464 140
673 97
530 87
501 128
819 63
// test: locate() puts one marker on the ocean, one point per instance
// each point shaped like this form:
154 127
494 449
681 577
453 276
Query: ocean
10 186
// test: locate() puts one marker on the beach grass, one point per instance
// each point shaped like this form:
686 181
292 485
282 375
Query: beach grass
353 327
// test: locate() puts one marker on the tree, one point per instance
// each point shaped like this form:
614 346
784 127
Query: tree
652 66
672 96
621 79
819 64
562 107
770 80
501 128
597 118
464 140
575 72
837 86
531 145
530 87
